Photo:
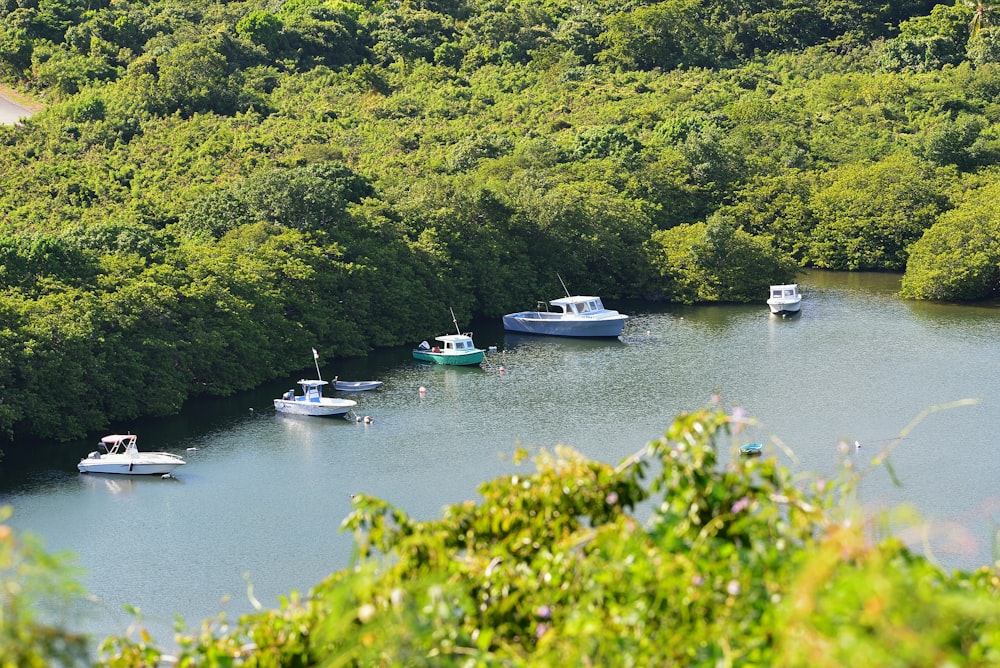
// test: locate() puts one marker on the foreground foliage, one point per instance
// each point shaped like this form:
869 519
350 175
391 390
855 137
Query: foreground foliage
29 579
739 563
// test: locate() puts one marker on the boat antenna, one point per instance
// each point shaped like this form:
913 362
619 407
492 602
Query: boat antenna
563 284
316 362
459 331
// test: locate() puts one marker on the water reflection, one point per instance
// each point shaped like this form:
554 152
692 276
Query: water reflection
125 484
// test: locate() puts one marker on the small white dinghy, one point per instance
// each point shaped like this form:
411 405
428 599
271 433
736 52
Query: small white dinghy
117 453
355 385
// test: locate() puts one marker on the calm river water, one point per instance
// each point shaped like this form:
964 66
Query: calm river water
262 496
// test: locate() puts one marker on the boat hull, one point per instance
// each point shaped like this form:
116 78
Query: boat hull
106 464
555 324
784 307
452 359
326 407
356 385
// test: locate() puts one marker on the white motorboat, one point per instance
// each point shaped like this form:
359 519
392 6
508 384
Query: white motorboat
784 299
568 316
312 402
117 453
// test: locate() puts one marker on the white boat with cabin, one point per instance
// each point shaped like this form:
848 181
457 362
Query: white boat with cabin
577 315
784 299
118 453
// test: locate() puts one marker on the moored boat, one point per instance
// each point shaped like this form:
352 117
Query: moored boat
311 401
572 315
784 299
118 453
355 385
456 349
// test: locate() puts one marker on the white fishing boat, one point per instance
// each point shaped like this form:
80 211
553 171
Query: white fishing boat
568 316
784 299
572 315
311 401
117 453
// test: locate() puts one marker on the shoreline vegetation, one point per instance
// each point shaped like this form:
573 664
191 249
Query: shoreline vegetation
210 189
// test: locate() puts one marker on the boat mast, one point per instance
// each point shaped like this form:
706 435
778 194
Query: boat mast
563 284
316 362
454 320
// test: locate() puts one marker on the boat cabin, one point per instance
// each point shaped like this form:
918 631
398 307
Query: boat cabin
578 305
784 291
455 343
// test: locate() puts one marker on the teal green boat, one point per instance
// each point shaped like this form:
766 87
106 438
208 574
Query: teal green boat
455 349
751 449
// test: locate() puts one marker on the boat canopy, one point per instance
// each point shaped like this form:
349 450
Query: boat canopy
111 439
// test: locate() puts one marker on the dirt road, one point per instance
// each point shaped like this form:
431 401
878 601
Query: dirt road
14 107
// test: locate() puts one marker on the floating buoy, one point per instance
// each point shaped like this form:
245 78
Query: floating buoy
422 390
857 445
191 449
368 419
166 475
502 368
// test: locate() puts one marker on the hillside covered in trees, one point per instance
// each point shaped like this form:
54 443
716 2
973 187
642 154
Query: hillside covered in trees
212 184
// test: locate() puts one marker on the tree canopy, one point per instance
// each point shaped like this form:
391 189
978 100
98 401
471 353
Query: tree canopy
192 161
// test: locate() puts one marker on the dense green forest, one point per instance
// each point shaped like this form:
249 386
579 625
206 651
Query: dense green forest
214 187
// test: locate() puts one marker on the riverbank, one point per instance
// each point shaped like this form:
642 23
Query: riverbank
14 106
